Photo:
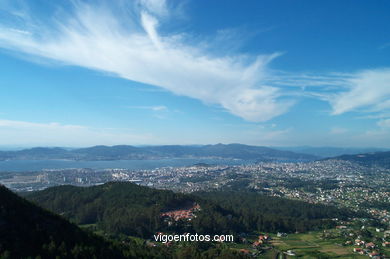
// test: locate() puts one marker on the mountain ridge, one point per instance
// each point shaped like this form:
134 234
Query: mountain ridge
330 151
128 152
373 159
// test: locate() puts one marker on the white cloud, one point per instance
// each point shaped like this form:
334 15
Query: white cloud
385 123
131 47
126 42
159 108
369 90
156 7
366 91
56 134
32 125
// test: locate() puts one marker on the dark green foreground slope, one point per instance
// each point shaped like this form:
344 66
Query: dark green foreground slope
27 230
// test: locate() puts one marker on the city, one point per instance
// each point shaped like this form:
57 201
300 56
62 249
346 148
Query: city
332 182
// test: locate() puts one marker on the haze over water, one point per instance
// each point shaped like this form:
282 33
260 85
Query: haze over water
36 165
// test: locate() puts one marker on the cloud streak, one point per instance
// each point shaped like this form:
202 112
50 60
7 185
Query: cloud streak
368 89
97 38
152 108
128 41
385 123
55 134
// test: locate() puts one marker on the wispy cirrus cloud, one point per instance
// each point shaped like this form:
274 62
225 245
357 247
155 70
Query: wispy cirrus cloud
11 124
152 108
127 40
385 123
155 7
369 89
131 47
366 91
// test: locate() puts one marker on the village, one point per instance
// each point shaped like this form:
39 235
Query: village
354 236
180 214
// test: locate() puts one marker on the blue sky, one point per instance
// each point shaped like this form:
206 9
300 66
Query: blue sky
275 73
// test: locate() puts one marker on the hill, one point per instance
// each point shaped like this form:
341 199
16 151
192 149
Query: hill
27 230
125 152
126 208
330 151
377 159
116 207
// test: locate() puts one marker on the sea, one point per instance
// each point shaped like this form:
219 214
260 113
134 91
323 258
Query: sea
37 165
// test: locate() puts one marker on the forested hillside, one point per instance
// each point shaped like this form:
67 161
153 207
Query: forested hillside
273 214
27 230
116 207
126 208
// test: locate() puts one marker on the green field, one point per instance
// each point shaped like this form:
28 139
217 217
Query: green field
312 245
305 245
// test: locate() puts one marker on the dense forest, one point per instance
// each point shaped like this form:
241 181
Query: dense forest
121 208
126 208
253 211
121 211
28 231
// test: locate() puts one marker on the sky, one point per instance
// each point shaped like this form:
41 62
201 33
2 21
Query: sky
153 72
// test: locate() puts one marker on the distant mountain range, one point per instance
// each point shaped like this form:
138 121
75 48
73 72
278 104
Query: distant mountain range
331 151
125 152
